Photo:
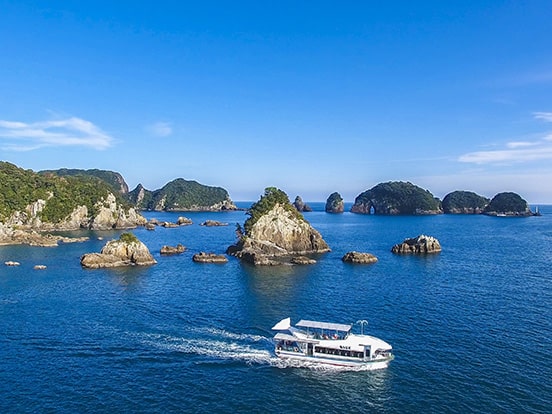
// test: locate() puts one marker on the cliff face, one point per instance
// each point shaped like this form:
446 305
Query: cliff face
278 234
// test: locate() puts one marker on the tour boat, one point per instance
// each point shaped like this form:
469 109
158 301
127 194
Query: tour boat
330 343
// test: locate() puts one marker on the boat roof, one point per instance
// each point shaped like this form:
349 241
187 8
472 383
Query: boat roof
286 337
303 323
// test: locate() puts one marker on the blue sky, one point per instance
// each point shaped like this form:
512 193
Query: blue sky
311 97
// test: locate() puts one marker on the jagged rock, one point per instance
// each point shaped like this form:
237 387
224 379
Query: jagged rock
168 250
168 224
418 245
300 205
359 258
39 267
276 232
150 226
303 260
11 263
127 251
213 223
183 221
203 257
334 203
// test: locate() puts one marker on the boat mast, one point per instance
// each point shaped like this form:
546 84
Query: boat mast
362 322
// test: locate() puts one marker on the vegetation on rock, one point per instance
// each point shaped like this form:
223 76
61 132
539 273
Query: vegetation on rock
508 203
20 188
396 197
180 195
114 179
271 197
464 202
334 203
128 238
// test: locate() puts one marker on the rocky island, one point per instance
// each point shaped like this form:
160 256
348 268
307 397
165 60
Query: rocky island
334 203
396 198
275 232
508 204
182 195
464 202
127 251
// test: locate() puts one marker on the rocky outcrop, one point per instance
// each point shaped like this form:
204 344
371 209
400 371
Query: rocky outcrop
203 257
112 215
10 236
127 251
300 205
171 250
334 203
277 236
302 260
359 258
418 245
183 221
213 223
396 198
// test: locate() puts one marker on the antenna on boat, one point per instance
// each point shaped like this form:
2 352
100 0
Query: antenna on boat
362 322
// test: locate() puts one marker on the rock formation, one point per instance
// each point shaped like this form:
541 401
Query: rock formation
418 245
127 251
359 258
213 223
508 204
334 203
302 260
300 205
203 257
396 198
464 202
171 250
275 232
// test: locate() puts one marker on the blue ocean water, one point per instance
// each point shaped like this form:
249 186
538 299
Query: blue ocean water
471 327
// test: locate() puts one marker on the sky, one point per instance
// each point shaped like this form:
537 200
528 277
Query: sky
311 97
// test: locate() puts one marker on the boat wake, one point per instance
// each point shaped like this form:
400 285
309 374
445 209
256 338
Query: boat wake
208 345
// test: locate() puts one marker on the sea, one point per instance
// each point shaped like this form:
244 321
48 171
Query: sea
471 326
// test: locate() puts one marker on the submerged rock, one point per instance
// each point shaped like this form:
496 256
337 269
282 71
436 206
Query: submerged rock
418 245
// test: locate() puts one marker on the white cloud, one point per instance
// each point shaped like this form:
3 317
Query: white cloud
544 116
516 151
541 152
20 136
160 129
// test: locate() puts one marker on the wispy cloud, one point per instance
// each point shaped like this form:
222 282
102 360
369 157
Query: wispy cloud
516 151
21 136
545 116
160 129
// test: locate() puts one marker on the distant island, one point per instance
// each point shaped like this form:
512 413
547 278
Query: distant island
70 199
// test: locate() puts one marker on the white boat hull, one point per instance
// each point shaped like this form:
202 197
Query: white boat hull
338 362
